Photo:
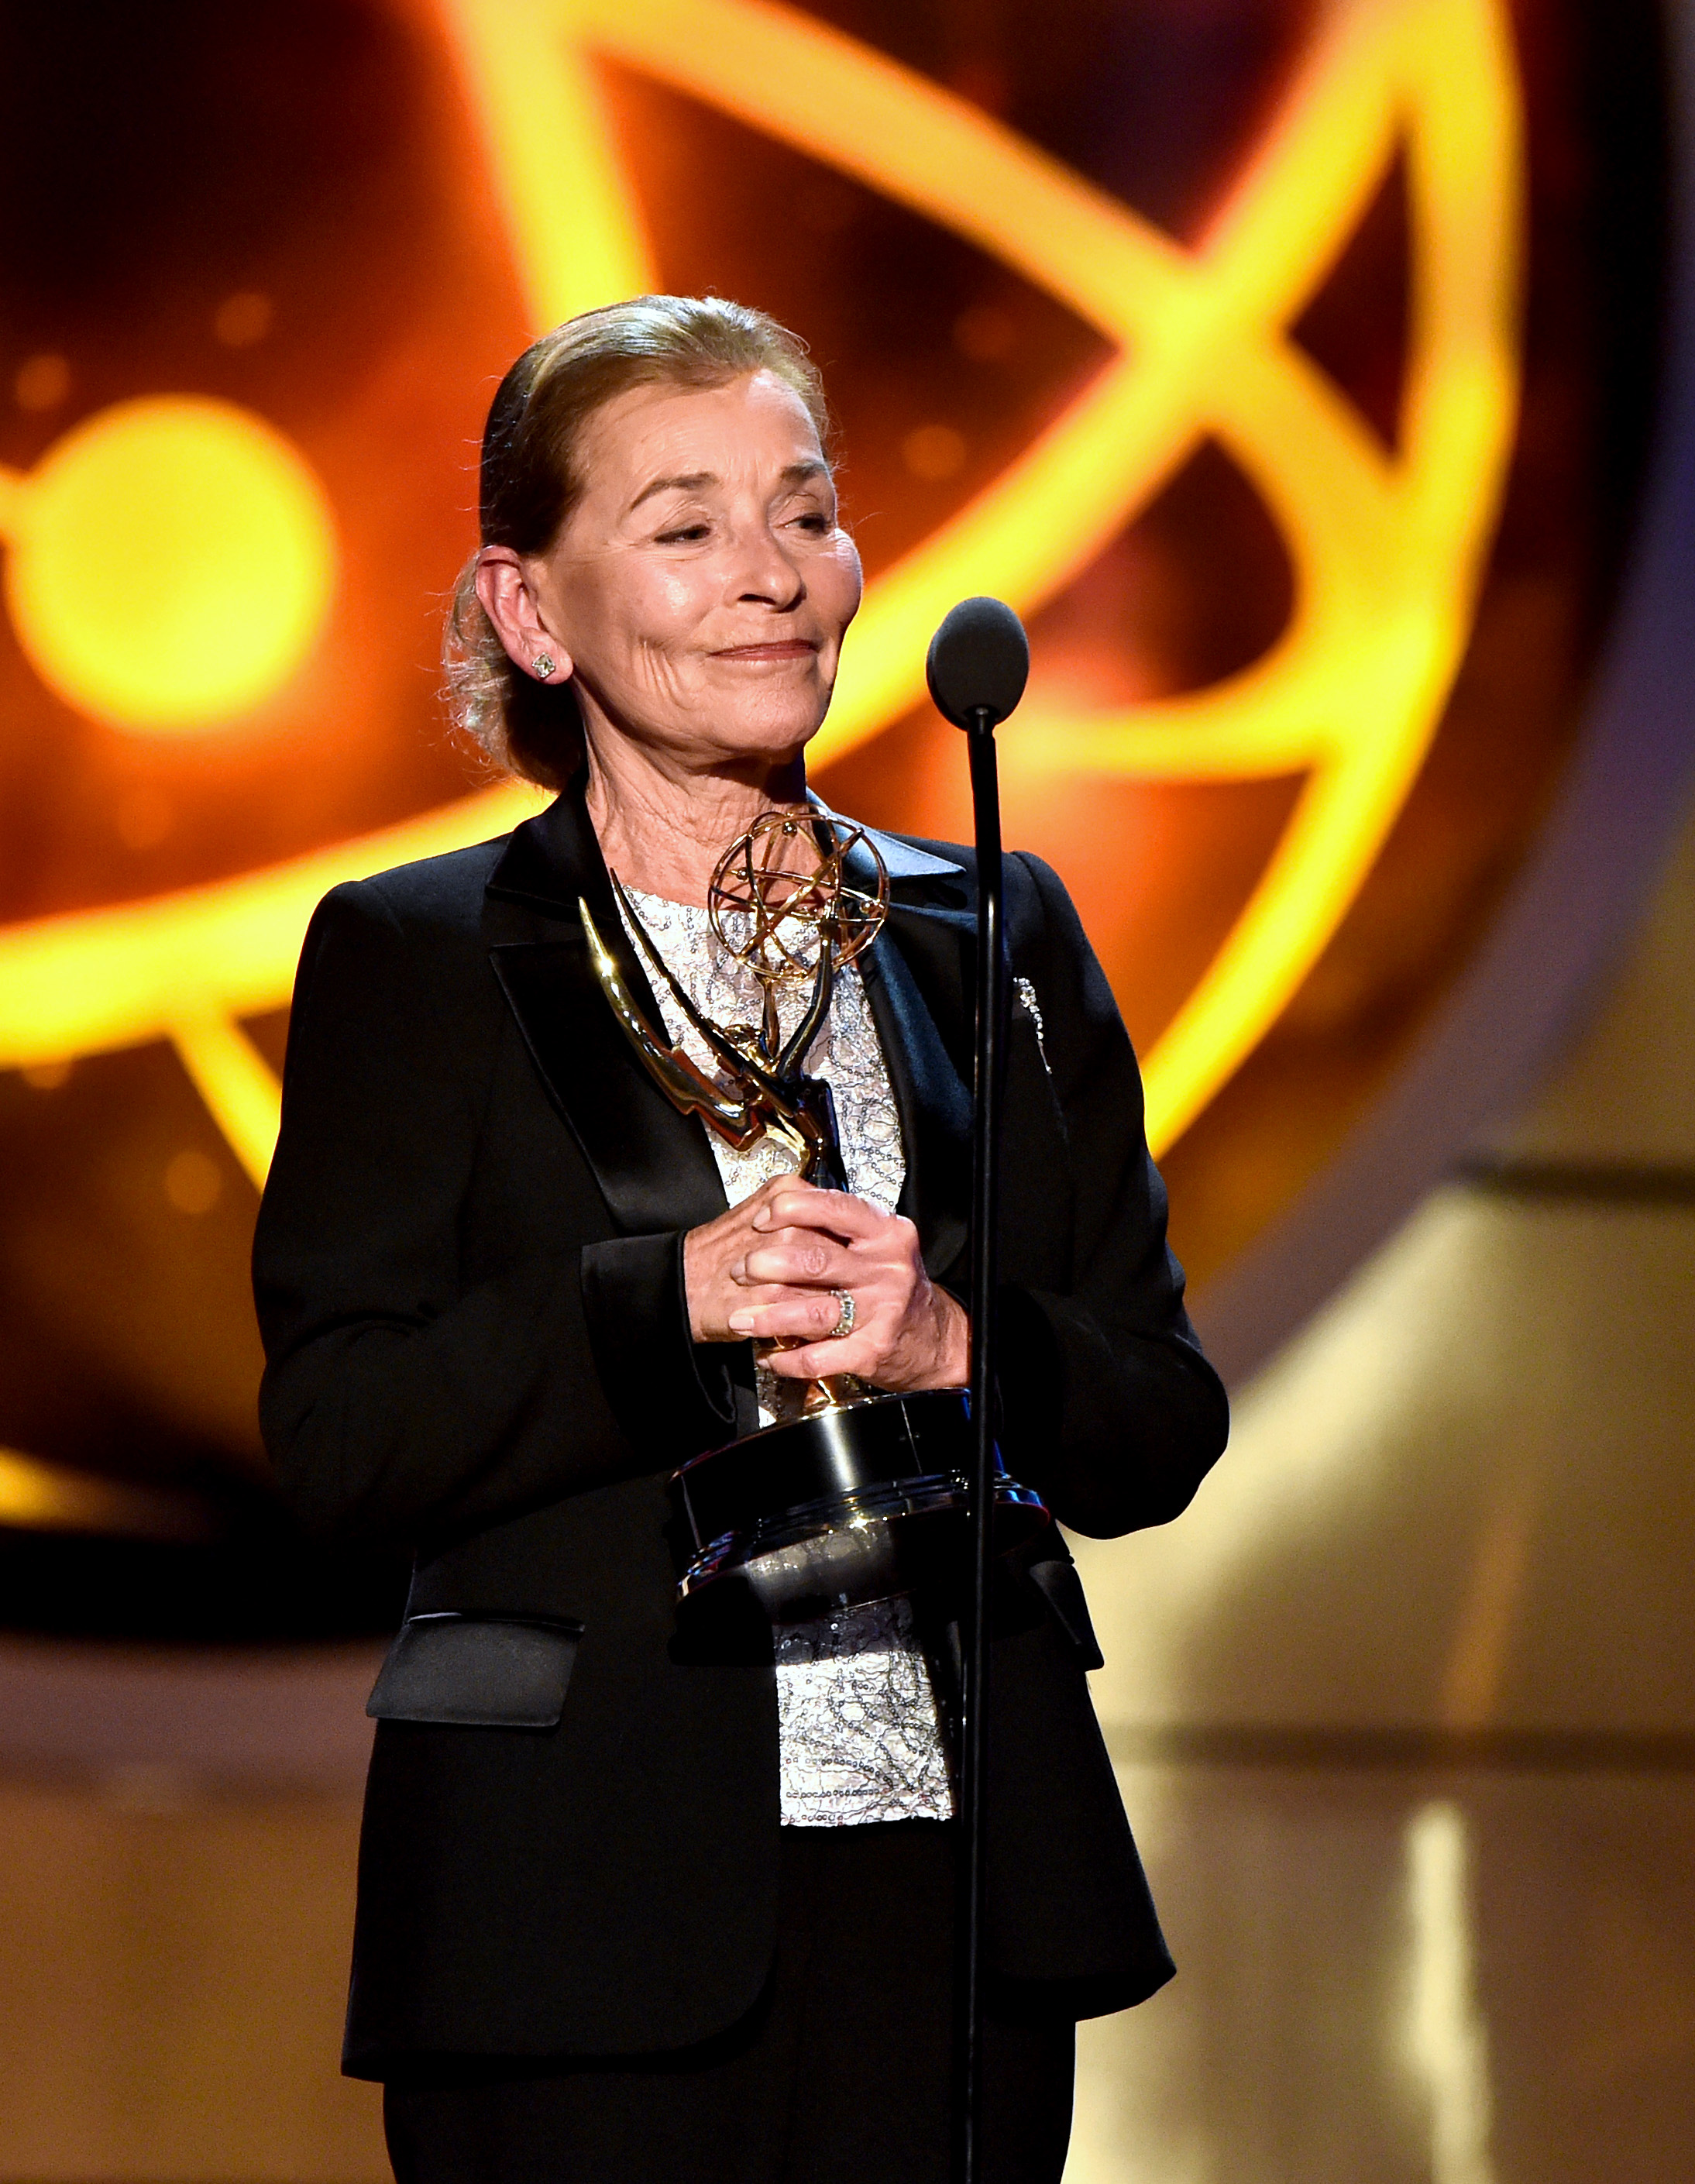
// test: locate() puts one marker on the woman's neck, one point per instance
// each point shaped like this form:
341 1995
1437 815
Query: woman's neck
663 829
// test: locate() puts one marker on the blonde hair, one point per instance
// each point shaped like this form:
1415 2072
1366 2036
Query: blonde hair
530 482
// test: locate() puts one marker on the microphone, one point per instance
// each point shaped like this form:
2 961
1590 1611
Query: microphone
978 663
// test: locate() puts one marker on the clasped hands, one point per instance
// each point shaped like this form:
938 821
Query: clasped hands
770 1266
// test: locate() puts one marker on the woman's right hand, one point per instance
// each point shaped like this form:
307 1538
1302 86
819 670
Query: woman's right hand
778 1266
714 1266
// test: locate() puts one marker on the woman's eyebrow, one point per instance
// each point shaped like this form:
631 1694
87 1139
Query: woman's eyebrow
796 474
691 484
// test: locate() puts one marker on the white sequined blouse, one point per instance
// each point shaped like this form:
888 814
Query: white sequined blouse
860 1736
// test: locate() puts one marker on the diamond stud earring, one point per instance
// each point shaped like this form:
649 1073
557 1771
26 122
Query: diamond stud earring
545 665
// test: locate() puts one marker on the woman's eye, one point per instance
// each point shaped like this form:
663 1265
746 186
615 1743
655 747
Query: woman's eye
815 519
685 535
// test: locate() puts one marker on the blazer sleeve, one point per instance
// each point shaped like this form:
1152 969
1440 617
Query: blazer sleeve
398 1399
1110 1409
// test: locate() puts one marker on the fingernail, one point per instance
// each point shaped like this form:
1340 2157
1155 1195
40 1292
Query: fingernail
742 1322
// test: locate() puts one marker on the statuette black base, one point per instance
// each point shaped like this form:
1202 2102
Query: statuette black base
857 1504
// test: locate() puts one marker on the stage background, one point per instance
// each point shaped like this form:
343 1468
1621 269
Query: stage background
1314 378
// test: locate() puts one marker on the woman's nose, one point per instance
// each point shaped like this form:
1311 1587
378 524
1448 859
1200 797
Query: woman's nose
763 570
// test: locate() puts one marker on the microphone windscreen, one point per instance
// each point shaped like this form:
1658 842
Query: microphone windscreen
980 660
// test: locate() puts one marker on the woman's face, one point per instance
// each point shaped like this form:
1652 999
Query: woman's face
700 590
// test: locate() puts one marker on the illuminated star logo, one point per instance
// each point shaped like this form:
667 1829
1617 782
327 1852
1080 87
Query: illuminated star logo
1387 548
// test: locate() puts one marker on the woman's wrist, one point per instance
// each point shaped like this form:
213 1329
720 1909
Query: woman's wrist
951 1363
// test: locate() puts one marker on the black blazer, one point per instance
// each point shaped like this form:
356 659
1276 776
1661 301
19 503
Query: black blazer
468 1268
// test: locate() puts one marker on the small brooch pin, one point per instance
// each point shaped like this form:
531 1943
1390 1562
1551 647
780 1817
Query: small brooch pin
1032 1008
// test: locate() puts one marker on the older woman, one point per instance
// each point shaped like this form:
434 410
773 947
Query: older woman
630 1907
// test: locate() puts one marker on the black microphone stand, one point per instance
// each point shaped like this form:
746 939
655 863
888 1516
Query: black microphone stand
978 662
991 1004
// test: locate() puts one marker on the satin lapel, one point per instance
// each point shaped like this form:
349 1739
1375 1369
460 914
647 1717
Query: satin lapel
915 980
654 1167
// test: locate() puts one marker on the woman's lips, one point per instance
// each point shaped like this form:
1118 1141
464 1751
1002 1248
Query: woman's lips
795 649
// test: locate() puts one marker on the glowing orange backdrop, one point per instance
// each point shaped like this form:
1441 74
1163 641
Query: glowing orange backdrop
1197 331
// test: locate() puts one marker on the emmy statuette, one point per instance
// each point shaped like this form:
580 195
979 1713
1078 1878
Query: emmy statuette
864 1494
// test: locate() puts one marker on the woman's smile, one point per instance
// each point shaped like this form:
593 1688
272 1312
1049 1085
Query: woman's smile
775 650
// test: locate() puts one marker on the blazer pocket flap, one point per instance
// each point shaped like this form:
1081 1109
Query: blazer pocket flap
476 1672
1062 1588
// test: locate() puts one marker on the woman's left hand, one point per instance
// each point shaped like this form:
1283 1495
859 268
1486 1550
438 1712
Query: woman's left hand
907 1333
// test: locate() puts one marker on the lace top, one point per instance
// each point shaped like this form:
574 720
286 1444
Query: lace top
860 1736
